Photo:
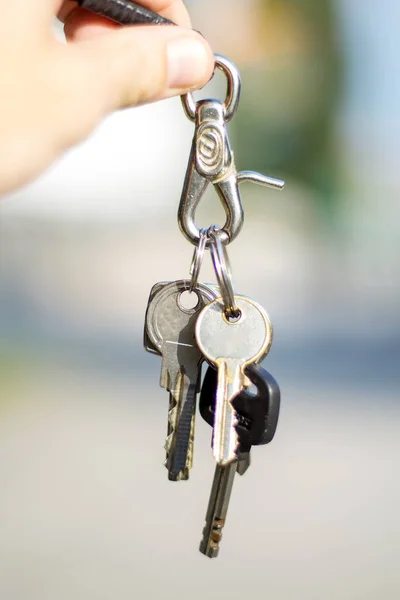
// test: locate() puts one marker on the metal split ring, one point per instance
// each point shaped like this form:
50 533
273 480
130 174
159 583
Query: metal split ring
198 257
232 95
223 272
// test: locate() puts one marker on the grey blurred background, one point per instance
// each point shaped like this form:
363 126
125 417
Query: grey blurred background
86 511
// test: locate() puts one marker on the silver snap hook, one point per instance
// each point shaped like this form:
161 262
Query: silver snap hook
211 161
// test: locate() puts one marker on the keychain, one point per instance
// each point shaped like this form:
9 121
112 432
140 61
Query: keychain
231 332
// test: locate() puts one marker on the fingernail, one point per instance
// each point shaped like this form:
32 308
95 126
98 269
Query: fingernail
187 63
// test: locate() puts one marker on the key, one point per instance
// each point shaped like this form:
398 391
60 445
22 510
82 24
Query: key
231 345
169 331
257 422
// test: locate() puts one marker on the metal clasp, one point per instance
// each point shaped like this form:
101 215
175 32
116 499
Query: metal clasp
212 161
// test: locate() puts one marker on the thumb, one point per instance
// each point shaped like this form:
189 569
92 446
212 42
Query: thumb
134 65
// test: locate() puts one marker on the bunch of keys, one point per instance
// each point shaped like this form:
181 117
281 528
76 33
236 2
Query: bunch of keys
231 332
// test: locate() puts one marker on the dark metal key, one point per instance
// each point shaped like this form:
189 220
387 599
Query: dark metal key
169 332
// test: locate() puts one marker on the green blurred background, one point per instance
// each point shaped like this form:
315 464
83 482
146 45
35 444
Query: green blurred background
86 511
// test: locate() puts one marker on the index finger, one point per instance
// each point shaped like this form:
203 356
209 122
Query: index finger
171 9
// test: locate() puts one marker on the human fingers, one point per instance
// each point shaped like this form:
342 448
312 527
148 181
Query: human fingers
131 66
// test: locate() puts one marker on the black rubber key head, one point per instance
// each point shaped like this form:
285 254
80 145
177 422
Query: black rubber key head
258 414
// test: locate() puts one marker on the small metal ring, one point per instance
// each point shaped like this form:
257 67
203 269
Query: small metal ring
198 257
233 92
223 272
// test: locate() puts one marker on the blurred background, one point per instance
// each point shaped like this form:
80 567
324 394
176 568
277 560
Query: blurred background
86 511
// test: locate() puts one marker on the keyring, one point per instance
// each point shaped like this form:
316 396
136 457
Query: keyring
223 272
232 95
198 257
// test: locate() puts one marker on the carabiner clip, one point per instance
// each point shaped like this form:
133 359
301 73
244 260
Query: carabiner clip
212 161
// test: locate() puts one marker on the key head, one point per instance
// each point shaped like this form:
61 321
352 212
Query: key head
257 414
246 340
268 390
155 290
167 318
170 326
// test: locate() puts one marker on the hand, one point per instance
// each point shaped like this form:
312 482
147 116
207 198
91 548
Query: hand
53 95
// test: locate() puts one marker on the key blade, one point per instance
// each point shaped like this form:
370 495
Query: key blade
231 381
181 378
181 428
217 509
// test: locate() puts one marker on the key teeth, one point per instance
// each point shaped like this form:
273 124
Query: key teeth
211 551
184 474
168 445
171 430
223 458
235 424
181 476
210 546
172 413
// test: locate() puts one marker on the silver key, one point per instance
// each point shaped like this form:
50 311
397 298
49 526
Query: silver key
170 332
231 345
242 345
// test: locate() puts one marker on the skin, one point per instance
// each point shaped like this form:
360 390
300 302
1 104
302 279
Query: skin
52 95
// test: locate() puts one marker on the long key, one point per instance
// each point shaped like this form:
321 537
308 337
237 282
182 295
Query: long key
170 329
257 426
231 345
